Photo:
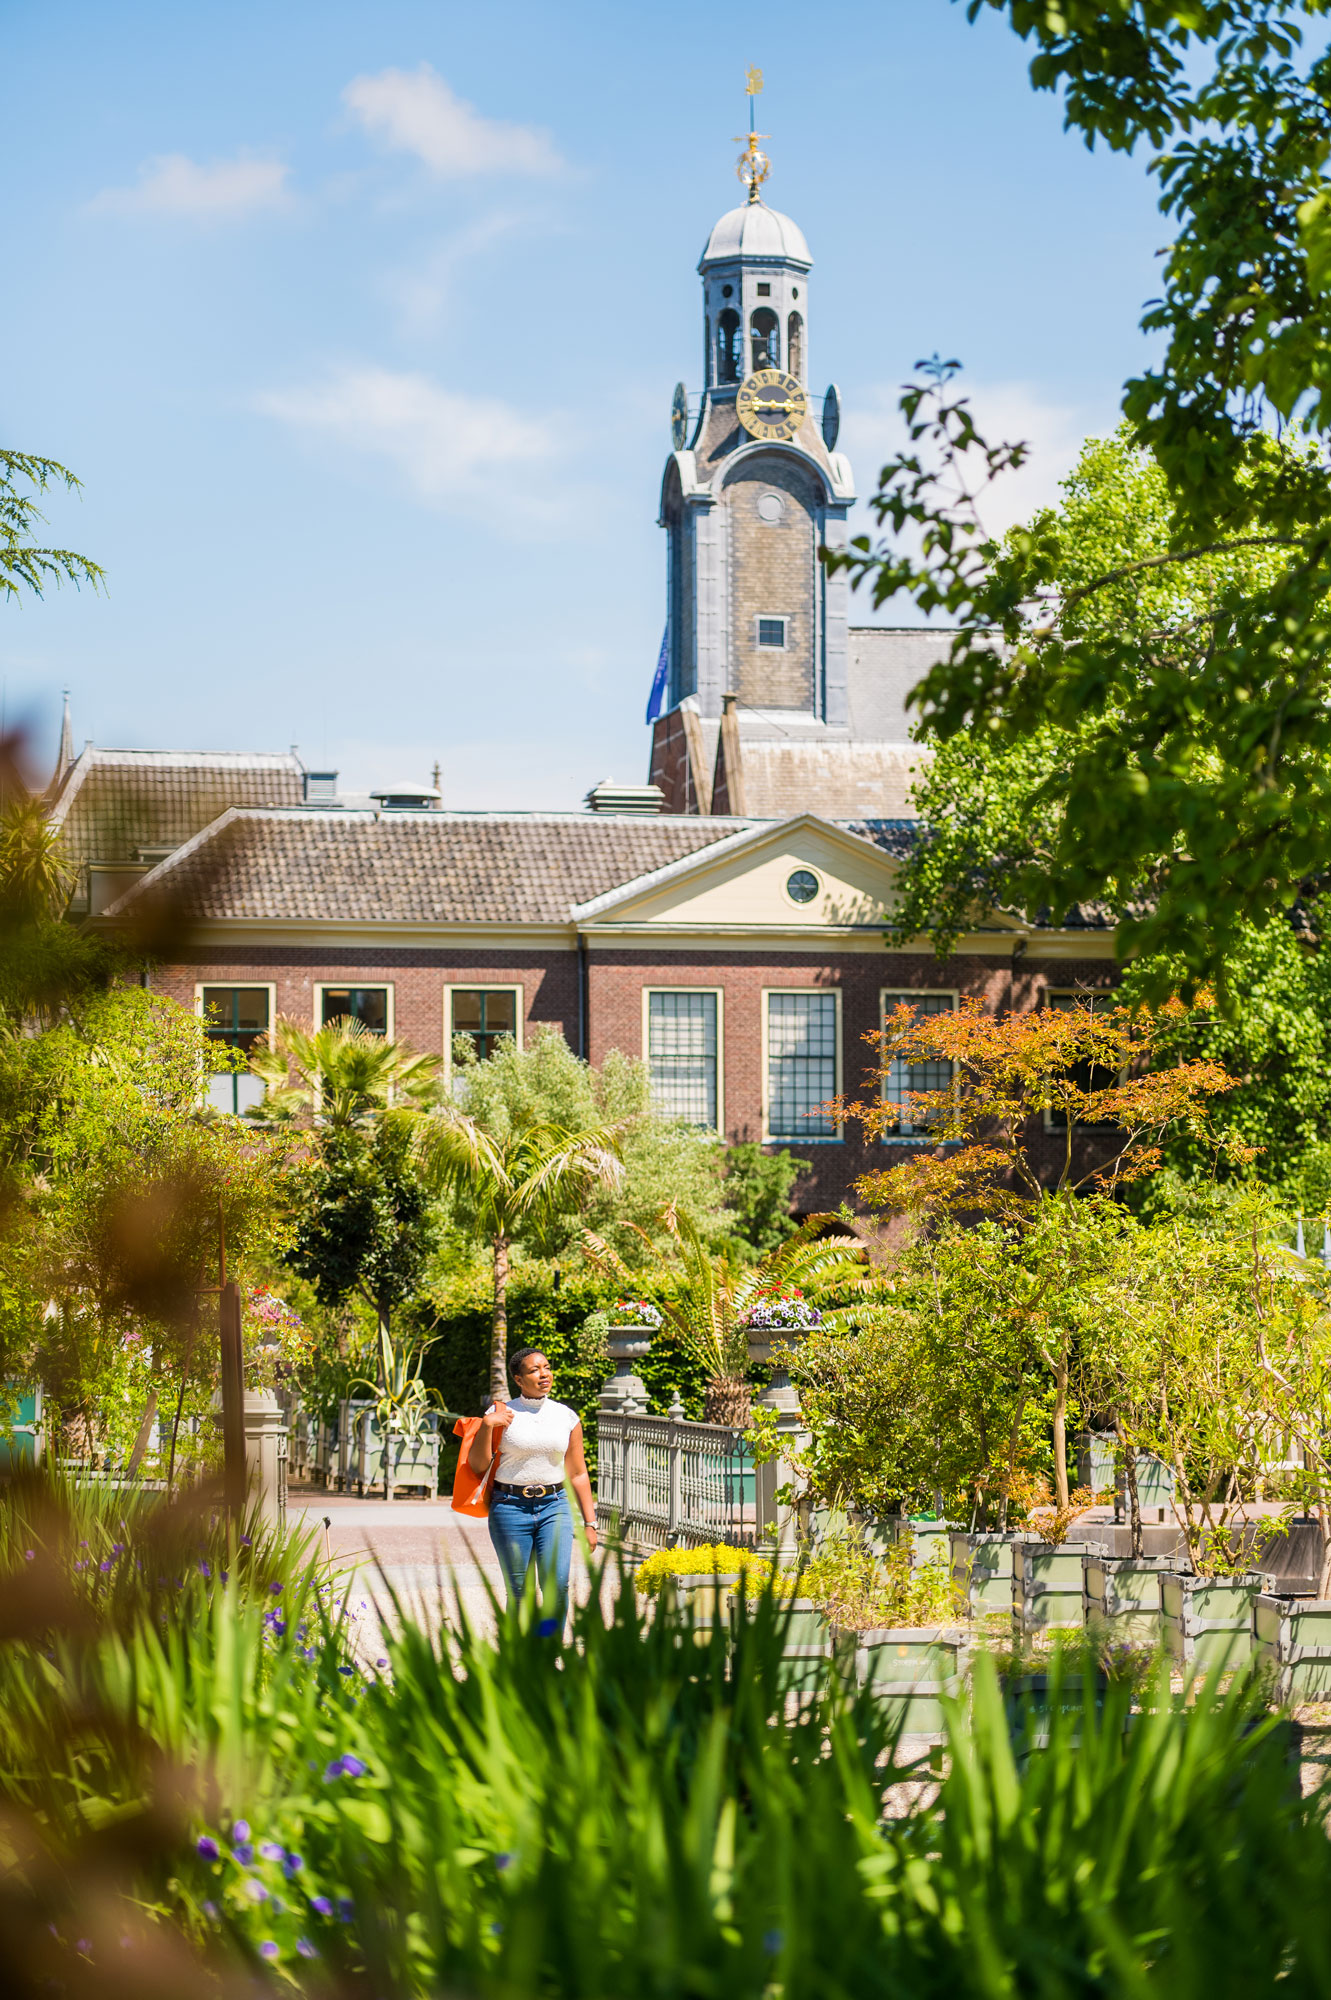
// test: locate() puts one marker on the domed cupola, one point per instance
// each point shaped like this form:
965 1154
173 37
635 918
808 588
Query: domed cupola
755 294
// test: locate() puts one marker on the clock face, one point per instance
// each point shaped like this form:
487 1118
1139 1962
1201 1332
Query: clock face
679 416
771 405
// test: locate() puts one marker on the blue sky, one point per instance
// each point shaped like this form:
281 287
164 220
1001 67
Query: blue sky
360 325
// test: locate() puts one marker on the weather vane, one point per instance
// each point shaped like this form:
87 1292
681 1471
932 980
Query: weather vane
754 166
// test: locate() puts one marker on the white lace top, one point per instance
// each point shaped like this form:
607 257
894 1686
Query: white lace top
531 1451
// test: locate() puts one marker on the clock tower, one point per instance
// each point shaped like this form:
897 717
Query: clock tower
757 639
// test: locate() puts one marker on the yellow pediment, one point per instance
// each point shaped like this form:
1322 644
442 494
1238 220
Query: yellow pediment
804 874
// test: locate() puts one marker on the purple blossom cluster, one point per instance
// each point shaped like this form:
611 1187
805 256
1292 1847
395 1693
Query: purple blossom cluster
253 1892
788 1313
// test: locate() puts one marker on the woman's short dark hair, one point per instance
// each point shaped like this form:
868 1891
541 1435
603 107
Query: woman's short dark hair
518 1361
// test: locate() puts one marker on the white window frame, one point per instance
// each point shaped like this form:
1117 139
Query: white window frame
762 618
952 993
719 993
478 986
322 986
771 1138
268 986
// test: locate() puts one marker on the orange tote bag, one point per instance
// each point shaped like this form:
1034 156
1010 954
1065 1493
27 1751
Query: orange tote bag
471 1490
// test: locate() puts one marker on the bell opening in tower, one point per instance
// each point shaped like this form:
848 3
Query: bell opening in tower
795 345
765 333
728 368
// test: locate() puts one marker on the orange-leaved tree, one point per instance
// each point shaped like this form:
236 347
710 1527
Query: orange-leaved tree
1044 1116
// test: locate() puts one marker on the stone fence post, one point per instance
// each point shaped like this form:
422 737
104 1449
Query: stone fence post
777 1521
266 1455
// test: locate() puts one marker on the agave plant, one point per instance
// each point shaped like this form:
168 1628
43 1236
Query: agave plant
345 1074
709 1299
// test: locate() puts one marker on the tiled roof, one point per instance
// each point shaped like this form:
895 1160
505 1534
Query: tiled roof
425 868
115 802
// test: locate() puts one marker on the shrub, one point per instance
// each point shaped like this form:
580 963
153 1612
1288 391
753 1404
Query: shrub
713 1559
863 1591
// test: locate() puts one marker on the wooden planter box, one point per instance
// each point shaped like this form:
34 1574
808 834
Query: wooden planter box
1293 1634
1046 1587
807 1649
911 1668
1121 1596
412 1462
1207 1620
346 1470
1029 1700
931 1539
982 1567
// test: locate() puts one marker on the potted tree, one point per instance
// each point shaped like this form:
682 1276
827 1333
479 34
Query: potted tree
399 1434
894 1627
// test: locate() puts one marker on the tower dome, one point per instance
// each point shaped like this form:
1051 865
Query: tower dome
755 230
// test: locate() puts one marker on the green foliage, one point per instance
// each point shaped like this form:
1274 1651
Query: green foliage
757 1190
345 1074
546 1084
712 1559
654 1817
24 564
862 1592
364 1219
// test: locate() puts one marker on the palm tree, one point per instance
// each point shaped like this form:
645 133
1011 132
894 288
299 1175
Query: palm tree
519 1180
346 1075
709 1304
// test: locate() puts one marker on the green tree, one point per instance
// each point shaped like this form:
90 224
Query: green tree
345 1076
757 1189
516 1174
1201 789
24 564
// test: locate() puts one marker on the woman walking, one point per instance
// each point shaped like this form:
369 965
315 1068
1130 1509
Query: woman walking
538 1443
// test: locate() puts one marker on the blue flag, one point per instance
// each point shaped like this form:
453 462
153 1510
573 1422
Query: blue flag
660 677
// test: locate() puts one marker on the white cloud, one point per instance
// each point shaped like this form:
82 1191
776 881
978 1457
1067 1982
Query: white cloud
416 112
1004 413
172 184
448 445
423 291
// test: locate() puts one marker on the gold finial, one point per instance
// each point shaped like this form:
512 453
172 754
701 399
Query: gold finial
754 166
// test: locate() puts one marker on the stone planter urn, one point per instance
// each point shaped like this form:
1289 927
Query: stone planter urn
780 1394
625 1392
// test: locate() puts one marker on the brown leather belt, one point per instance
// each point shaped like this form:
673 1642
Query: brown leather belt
527 1492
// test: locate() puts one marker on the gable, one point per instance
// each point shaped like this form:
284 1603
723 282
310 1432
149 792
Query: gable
745 885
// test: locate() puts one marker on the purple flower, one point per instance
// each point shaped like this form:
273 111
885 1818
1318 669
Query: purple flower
272 1850
346 1909
323 1904
275 1589
29 1555
381 1663
346 1670
293 1865
209 1911
244 1854
346 1766
204 1569
305 1948
245 1541
208 1847
104 1566
503 1861
547 1628
84 1944
241 1830
255 1890
268 1949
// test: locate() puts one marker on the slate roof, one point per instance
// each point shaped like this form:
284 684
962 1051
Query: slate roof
115 802
341 867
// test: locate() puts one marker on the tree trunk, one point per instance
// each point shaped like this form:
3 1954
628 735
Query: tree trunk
1014 1445
499 1326
1130 1481
1061 1433
727 1399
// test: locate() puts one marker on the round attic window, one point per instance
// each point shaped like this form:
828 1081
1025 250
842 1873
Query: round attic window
802 886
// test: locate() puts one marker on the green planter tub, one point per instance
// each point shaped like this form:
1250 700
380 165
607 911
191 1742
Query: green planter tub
1046 1587
910 1667
1121 1596
1207 1620
1293 1635
931 1537
807 1648
982 1567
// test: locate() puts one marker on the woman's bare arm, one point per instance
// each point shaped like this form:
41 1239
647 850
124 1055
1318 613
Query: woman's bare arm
575 1469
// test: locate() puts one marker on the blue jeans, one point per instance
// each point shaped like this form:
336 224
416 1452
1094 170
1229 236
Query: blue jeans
541 1529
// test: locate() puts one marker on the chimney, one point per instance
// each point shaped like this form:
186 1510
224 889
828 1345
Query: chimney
321 788
637 801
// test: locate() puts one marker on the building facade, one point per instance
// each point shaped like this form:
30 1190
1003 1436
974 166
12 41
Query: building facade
731 924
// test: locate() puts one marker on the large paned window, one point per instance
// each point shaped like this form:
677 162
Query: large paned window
483 1014
802 1064
366 1004
235 1016
683 1054
902 1078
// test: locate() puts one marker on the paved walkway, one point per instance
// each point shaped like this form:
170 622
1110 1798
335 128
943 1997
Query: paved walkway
420 1550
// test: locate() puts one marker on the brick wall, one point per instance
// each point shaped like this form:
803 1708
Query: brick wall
773 572
616 979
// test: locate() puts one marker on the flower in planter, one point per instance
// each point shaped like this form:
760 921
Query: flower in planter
635 1312
781 1309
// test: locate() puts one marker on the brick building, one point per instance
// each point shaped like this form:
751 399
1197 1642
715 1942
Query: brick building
730 923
